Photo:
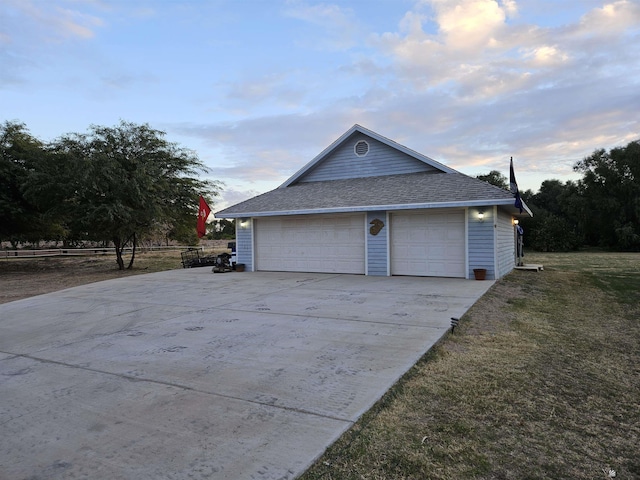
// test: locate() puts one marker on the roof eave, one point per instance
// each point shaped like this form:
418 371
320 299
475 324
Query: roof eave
370 208
526 211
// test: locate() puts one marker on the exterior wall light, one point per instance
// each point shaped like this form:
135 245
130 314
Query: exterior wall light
481 216
516 221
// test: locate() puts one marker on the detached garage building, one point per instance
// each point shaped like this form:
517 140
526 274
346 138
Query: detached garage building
367 205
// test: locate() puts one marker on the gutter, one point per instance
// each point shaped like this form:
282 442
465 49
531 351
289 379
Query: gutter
370 208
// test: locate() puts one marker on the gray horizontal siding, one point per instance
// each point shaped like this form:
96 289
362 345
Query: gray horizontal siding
506 244
382 159
481 241
377 246
244 242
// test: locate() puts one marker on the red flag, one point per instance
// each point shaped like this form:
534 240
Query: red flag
203 214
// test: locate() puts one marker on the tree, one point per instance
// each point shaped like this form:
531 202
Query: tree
20 152
223 229
494 177
611 184
118 183
557 217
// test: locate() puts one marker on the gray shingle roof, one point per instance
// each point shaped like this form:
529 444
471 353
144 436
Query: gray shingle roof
414 190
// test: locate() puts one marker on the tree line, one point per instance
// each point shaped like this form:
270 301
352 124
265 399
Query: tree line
112 185
602 209
125 184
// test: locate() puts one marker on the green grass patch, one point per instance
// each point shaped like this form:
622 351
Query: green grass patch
540 380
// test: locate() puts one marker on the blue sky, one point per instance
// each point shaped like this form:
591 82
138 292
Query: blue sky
259 87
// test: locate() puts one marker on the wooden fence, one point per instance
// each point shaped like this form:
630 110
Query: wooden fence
79 252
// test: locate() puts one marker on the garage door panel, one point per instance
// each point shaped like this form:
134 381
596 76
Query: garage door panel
439 235
417 237
428 244
416 251
327 243
454 234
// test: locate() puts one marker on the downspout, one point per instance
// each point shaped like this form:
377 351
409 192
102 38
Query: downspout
496 266
466 243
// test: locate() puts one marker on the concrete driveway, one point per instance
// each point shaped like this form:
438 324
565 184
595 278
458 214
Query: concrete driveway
189 374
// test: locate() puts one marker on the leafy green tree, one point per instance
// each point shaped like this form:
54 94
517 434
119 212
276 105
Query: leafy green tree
548 232
557 217
184 232
20 220
223 229
611 184
120 183
494 177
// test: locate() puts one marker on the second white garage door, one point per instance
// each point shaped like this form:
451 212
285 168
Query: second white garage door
428 244
311 243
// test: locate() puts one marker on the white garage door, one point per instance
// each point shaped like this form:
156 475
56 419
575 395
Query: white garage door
429 244
311 243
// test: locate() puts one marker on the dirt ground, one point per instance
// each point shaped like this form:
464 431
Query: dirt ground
22 278
26 277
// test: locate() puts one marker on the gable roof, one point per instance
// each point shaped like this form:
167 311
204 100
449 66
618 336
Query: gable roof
376 136
438 186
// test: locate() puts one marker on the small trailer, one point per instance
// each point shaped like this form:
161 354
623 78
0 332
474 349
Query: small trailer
221 263
191 258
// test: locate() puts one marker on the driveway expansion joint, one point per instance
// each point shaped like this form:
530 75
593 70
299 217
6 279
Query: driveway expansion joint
179 386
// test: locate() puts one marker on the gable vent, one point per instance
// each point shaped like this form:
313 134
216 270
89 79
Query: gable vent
361 148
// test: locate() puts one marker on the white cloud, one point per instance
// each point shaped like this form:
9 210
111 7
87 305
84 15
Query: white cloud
338 24
545 56
612 18
510 7
260 165
70 23
283 89
53 22
469 36
232 196
33 33
476 54
326 15
469 24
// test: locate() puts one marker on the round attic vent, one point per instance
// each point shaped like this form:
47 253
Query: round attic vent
361 148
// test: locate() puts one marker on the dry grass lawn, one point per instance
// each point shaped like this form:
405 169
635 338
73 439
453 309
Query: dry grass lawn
541 380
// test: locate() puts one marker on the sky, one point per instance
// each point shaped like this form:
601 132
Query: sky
258 88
